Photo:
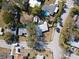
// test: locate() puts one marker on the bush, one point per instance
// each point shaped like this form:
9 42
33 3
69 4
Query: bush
35 11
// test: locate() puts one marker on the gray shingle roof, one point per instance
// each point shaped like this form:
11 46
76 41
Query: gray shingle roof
50 8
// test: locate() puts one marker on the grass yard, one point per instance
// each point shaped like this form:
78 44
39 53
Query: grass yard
48 35
2 24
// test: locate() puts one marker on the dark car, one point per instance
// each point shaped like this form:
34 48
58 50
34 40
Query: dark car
58 30
61 24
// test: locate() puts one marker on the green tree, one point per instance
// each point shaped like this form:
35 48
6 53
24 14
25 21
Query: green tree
36 10
7 17
0 4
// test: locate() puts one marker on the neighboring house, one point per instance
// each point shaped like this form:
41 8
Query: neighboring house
1 32
39 57
34 3
22 32
50 9
73 42
43 27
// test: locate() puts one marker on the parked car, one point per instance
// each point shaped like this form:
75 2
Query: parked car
61 24
58 30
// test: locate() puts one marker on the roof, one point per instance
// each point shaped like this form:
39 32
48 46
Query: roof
34 3
56 9
22 31
1 33
73 43
39 57
50 8
43 27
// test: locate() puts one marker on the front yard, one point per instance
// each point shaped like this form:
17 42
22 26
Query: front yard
69 30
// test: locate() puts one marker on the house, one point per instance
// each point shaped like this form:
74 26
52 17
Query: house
34 3
1 31
43 27
73 42
39 57
22 32
50 9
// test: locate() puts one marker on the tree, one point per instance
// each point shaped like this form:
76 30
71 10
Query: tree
61 7
7 17
76 2
36 10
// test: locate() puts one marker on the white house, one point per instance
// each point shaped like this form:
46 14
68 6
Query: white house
43 27
34 3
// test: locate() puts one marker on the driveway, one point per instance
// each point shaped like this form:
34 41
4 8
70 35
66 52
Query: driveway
54 44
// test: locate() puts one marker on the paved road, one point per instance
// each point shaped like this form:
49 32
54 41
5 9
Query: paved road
54 44
73 56
3 44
